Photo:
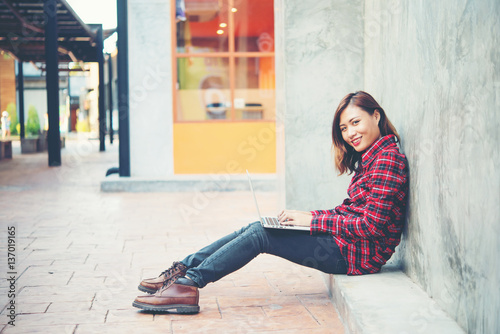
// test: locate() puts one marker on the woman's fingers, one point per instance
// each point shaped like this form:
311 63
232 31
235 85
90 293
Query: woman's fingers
283 216
280 216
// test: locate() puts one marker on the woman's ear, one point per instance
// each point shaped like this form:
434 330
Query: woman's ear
376 114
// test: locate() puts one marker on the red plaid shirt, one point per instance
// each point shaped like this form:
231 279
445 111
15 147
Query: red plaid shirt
367 226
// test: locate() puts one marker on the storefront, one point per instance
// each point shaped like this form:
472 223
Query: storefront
223 79
202 87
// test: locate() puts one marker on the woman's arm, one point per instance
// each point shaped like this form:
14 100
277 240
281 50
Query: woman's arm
386 191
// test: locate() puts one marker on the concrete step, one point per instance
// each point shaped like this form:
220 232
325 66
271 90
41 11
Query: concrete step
189 183
388 302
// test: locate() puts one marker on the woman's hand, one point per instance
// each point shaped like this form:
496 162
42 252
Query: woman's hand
294 217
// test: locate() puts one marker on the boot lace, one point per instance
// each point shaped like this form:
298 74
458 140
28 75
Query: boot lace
175 271
170 271
170 281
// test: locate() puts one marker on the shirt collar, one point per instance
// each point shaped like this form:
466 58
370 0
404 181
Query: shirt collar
380 145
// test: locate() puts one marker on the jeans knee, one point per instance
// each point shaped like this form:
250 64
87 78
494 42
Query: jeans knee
256 227
255 224
250 227
258 235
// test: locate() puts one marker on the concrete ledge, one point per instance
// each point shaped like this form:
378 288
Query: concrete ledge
189 183
387 303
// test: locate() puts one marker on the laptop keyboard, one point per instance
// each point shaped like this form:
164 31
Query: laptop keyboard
271 221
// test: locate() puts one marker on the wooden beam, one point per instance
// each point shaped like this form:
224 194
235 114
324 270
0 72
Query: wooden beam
21 19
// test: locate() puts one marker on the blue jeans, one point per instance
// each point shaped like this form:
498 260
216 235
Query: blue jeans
235 250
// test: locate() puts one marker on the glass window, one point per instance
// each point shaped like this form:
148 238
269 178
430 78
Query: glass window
203 91
254 25
225 61
205 28
254 88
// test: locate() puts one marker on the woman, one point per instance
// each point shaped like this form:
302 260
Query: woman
357 237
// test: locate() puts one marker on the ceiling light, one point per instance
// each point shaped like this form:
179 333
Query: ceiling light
220 32
223 25
234 10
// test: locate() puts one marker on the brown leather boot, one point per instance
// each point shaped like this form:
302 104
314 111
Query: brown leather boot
151 285
176 296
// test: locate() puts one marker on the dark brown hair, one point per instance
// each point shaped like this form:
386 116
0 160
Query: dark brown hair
346 157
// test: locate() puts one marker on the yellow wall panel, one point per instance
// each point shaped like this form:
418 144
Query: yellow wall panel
224 147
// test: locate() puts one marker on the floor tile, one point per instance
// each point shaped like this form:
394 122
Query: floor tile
82 254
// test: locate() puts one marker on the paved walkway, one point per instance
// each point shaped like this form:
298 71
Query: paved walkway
80 255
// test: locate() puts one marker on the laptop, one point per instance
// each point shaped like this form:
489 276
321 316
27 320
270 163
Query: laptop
273 222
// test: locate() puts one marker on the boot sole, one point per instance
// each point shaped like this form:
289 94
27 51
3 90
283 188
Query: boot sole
175 308
146 290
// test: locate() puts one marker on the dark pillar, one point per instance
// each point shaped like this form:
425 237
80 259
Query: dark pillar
102 96
20 91
123 90
110 95
52 80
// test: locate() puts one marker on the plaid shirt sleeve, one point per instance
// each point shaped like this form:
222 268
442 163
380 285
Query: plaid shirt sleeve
386 176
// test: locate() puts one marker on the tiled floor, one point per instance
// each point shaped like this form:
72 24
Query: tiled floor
80 255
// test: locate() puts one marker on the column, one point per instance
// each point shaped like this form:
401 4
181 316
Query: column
151 92
123 88
110 97
20 91
52 79
319 59
102 86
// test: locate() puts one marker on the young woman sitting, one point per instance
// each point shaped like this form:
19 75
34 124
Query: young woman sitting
360 234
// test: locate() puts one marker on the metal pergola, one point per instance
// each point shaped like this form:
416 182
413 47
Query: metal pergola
49 31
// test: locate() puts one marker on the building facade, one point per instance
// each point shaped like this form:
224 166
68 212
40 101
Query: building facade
205 95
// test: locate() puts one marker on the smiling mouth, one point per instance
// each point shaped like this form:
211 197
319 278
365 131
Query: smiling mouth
356 141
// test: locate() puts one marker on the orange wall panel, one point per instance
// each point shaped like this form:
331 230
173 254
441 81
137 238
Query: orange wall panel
7 81
224 147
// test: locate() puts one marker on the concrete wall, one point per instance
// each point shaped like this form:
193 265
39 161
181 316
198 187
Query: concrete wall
150 77
317 64
435 67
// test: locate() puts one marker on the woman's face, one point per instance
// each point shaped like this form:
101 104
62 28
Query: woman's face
359 129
